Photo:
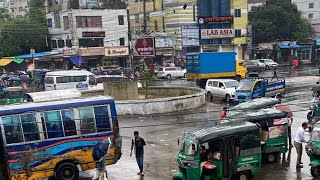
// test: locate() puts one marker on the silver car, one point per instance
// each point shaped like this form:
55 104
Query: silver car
171 72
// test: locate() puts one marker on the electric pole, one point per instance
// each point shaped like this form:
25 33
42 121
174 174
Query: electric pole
144 16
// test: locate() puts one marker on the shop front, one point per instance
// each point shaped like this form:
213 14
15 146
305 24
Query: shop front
92 56
290 50
116 57
264 51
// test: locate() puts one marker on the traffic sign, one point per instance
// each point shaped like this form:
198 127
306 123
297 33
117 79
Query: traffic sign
144 47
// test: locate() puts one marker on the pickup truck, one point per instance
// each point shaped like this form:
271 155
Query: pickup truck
249 89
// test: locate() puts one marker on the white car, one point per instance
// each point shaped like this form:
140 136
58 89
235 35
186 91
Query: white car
221 88
269 63
171 72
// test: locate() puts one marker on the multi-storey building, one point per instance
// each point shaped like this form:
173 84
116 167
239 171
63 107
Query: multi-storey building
224 25
18 7
99 36
311 11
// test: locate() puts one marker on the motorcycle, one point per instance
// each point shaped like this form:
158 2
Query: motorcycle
313 115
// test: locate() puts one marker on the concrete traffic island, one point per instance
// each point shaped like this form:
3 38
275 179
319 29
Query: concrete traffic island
160 100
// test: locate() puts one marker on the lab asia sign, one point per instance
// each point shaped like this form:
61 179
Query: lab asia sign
216 33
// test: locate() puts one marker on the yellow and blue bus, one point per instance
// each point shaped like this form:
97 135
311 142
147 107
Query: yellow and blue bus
56 138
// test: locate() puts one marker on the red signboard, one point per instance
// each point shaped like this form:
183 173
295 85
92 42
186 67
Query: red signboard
215 20
144 47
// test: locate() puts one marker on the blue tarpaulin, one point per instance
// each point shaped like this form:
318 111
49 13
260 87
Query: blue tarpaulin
76 60
41 54
286 46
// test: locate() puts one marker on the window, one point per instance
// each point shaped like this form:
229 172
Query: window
30 127
92 42
12 129
237 32
53 124
155 25
120 19
237 13
48 80
210 83
121 41
102 118
60 43
68 43
54 43
69 123
136 1
49 22
65 23
221 85
215 84
61 80
311 5
57 20
87 124
310 16
88 21
136 17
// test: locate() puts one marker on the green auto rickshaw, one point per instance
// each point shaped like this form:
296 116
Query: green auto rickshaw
233 150
273 125
14 95
313 151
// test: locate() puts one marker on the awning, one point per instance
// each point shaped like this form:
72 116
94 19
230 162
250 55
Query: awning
17 60
41 54
286 46
4 62
76 60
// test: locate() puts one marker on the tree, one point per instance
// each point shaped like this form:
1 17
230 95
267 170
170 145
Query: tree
18 35
279 20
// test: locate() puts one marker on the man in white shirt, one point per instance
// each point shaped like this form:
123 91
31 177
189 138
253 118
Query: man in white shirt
298 140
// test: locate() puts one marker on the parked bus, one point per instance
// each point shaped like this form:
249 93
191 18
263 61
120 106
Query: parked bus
43 139
57 80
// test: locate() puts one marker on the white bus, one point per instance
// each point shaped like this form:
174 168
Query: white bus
58 80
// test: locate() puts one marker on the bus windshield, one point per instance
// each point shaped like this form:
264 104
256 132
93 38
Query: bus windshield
245 86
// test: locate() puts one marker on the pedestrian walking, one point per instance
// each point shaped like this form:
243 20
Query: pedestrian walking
138 144
99 153
298 140
275 75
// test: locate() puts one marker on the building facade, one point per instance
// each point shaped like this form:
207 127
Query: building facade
311 11
98 36
223 26
18 7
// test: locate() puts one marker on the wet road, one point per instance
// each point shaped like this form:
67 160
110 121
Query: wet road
162 147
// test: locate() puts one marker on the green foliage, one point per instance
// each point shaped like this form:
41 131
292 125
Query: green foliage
146 81
18 35
279 20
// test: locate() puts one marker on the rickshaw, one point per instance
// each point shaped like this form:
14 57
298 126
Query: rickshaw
313 115
14 95
234 152
273 125
313 151
251 106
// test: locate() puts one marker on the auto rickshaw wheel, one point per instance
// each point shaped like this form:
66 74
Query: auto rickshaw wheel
272 157
244 176
315 171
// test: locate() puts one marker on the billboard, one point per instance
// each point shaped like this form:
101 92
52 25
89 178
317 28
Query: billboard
190 35
215 20
144 47
216 33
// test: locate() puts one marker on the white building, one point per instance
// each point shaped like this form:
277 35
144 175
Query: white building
99 36
311 11
17 7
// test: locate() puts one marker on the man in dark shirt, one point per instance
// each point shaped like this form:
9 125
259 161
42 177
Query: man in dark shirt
138 144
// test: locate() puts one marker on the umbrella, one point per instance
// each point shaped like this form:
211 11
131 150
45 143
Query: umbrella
315 88
284 108
14 78
101 149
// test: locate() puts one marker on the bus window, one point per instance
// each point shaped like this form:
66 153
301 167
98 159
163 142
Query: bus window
30 127
87 120
53 124
62 79
102 118
69 122
12 129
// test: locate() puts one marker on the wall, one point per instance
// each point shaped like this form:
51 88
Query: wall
240 22
121 90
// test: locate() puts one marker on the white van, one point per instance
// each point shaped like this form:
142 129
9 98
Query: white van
58 80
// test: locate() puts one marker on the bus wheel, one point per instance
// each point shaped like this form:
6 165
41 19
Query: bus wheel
271 157
315 172
67 171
